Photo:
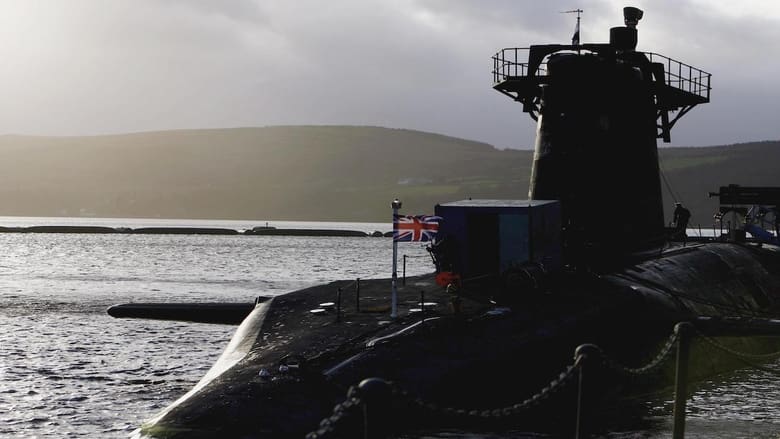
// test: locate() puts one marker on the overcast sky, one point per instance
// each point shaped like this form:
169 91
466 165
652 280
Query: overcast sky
108 66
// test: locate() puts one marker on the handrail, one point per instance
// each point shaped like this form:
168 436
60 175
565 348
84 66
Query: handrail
507 65
683 76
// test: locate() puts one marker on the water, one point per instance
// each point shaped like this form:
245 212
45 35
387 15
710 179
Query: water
67 369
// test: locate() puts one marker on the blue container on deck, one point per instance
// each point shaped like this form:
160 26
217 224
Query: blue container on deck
491 236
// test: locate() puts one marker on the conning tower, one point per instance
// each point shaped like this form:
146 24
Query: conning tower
599 110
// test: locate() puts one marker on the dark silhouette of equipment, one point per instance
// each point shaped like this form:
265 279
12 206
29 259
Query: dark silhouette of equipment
756 207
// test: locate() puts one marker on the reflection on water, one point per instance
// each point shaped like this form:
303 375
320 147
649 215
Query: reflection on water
740 404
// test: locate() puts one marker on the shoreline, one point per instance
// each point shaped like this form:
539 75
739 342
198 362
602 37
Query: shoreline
256 231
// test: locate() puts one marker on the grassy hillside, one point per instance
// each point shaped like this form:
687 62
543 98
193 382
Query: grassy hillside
325 173
306 173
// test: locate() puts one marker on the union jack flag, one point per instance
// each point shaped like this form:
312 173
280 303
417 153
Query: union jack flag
407 228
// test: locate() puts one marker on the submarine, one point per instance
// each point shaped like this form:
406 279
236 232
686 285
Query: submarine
516 285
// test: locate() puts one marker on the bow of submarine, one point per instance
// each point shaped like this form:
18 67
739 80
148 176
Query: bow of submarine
286 368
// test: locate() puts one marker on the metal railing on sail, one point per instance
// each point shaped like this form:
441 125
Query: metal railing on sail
510 63
683 76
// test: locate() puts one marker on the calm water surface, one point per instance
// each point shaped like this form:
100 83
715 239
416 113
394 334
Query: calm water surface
67 369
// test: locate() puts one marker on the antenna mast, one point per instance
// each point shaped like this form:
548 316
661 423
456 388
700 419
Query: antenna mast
575 39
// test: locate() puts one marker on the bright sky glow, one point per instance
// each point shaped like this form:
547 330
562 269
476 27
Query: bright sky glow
94 66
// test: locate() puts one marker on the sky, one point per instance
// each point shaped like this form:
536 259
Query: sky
86 67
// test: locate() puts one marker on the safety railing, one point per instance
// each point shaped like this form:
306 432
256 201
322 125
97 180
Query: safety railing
683 76
512 62
364 413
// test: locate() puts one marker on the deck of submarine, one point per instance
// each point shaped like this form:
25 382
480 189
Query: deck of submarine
285 345
290 325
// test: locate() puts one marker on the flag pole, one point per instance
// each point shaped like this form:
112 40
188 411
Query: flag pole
575 40
396 204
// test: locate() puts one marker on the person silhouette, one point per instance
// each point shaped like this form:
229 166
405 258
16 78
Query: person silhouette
680 219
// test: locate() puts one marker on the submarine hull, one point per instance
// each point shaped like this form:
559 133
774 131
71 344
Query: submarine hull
287 367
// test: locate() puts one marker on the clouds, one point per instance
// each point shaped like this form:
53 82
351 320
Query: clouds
85 67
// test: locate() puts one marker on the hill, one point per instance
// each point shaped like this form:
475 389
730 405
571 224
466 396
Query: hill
307 173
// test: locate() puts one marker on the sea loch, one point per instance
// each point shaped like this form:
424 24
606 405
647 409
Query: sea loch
68 369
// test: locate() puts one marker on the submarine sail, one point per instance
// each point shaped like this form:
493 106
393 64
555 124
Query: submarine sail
599 109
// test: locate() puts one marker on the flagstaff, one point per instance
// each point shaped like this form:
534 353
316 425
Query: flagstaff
396 204
409 228
575 39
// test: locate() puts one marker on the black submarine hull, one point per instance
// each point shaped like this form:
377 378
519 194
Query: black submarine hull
286 367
